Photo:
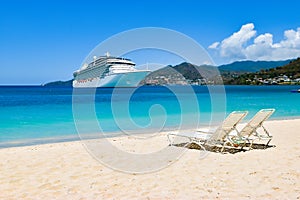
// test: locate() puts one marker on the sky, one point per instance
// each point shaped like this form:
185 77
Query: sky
46 40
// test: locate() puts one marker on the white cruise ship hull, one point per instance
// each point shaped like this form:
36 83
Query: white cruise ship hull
128 79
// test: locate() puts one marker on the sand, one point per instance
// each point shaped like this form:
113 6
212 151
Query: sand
68 171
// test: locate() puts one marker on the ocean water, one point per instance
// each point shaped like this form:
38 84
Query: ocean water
34 114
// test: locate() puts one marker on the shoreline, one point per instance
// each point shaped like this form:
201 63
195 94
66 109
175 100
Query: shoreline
114 134
76 137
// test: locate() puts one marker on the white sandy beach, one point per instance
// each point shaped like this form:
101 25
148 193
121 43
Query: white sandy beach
68 171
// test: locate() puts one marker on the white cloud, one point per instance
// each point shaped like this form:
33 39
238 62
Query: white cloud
262 47
243 45
292 39
214 45
233 45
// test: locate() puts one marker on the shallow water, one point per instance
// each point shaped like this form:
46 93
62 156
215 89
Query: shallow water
39 114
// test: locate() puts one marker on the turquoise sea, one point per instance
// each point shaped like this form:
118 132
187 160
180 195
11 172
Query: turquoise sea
36 114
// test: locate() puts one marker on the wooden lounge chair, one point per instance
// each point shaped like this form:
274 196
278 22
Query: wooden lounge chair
249 131
216 137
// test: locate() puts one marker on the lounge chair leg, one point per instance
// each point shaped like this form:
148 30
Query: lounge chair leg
251 143
266 131
223 147
268 143
169 140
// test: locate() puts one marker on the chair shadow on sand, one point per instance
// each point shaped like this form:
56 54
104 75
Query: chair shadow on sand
227 149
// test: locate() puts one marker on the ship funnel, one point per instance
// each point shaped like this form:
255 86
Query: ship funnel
107 54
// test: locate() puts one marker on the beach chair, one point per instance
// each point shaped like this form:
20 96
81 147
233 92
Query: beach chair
216 137
249 131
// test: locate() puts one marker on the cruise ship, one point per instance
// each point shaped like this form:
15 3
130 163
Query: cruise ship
108 71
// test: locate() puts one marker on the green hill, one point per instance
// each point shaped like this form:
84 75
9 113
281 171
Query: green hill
292 69
287 74
184 73
59 84
251 66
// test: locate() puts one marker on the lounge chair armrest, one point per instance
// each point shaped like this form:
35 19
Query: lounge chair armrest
192 136
207 130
